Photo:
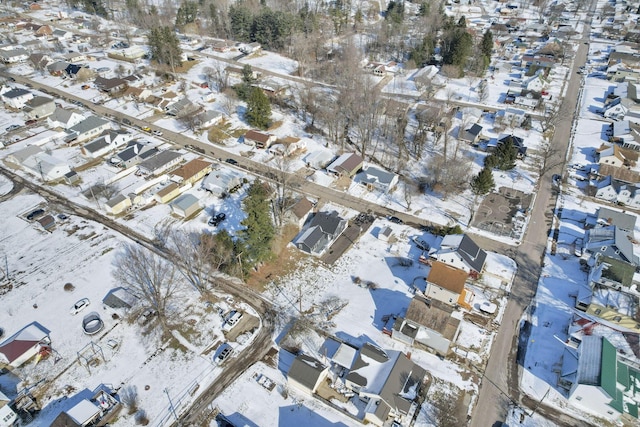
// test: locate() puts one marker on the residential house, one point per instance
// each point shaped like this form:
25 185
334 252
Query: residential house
74 57
65 119
25 344
535 84
168 193
544 62
347 164
272 88
39 107
617 109
259 139
160 163
323 229
306 374
387 381
80 72
222 45
622 220
624 133
8 417
622 72
319 159
89 408
471 134
62 34
135 153
459 251
424 77
300 212
14 56
377 179
428 322
208 118
15 98
120 299
39 163
222 181
181 107
57 68
185 206
447 284
517 142
129 54
617 191
610 155
612 242
191 172
106 143
87 129
600 379
527 98
249 48
111 85
117 204
512 117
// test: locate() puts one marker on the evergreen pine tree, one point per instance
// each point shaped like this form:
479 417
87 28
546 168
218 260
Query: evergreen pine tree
258 109
483 182
486 45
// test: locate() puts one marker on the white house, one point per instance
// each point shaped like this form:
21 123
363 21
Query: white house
459 251
24 344
160 163
319 159
39 163
15 98
376 178
222 181
535 83
87 129
64 119
14 56
616 109
106 143
610 155
7 416
616 191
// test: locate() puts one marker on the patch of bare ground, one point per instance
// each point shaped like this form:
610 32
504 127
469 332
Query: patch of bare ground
285 259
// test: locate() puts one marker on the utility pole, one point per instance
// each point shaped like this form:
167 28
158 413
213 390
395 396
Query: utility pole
171 407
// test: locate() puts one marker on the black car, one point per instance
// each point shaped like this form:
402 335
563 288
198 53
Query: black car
215 220
395 219
35 214
231 161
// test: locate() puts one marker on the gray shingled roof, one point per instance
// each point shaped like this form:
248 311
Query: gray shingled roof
589 360
619 219
87 124
306 370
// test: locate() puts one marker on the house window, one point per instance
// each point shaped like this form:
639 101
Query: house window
450 299
604 248
617 319
610 412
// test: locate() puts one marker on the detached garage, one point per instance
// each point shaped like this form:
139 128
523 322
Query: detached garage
185 205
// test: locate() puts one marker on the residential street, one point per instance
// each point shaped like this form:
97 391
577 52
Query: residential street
501 386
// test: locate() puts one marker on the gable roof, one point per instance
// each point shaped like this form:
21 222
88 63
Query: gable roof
88 124
191 168
447 277
475 129
302 207
15 93
306 370
17 344
471 253
257 136
621 220
347 163
433 314
328 222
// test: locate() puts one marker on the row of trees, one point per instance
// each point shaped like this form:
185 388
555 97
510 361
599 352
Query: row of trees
165 47
268 27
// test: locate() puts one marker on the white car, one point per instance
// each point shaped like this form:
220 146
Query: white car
79 306
232 320
157 133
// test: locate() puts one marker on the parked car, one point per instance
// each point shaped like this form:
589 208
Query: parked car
421 244
79 306
85 87
231 161
157 133
146 128
394 219
223 352
30 122
12 128
215 220
35 214
232 320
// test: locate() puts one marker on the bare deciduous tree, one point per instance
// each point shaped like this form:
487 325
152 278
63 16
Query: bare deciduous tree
151 276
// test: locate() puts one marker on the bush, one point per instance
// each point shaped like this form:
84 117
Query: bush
129 398
68 287
141 417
